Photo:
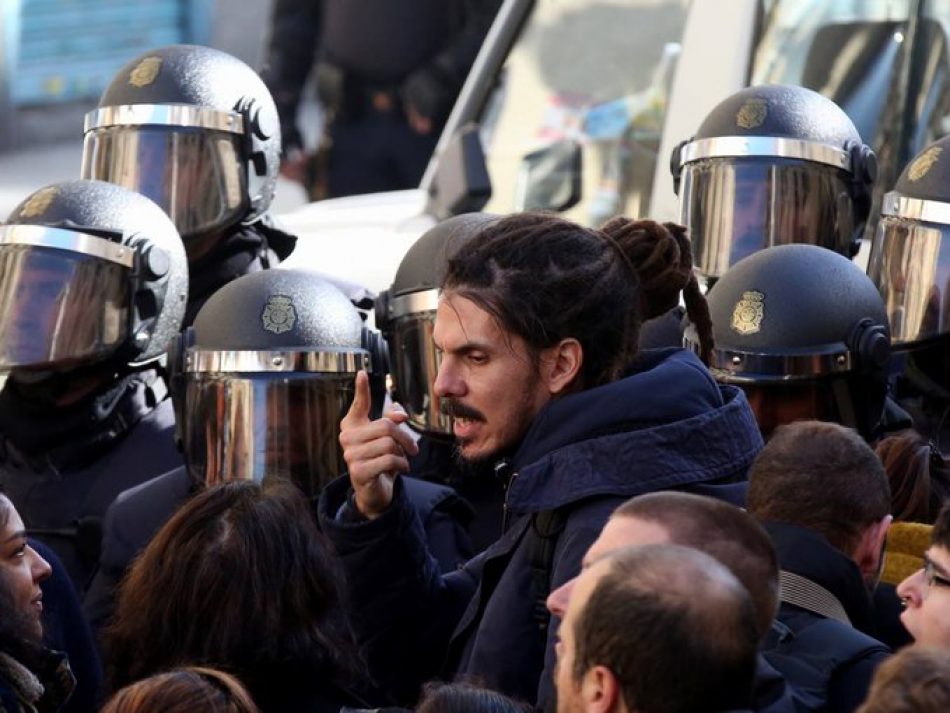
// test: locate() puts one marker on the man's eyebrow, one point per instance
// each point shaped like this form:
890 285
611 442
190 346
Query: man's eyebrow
468 348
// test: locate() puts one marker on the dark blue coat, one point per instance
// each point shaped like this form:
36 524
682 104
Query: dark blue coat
668 425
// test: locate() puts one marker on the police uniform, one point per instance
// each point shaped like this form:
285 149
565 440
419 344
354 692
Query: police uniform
378 60
94 282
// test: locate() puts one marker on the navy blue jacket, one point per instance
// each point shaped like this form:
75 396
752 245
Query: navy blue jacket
828 663
667 425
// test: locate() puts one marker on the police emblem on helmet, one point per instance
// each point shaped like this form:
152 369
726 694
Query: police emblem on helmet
752 113
748 313
279 315
38 202
145 72
923 163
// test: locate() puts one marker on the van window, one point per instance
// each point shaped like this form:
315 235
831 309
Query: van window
574 123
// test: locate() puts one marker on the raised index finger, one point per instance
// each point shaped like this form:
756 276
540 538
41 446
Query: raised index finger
358 414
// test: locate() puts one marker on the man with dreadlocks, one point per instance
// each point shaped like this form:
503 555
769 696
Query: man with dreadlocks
537 329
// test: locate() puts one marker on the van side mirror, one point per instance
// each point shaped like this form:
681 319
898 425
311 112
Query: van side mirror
550 178
461 183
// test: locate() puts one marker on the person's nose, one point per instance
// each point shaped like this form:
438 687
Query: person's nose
448 380
558 599
911 590
39 567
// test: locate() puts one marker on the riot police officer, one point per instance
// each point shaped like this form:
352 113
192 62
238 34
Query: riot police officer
405 313
261 381
195 130
910 264
93 284
770 165
804 332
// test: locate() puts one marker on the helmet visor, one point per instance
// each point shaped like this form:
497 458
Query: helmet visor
243 426
415 366
60 307
910 264
736 206
195 175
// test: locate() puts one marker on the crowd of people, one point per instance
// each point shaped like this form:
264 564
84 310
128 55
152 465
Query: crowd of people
224 491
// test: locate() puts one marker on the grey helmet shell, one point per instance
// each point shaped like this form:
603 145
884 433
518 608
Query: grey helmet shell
205 77
122 216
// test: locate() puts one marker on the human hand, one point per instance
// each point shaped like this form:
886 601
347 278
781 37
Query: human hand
420 124
374 451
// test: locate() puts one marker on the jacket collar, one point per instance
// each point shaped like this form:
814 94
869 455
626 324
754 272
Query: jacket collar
666 424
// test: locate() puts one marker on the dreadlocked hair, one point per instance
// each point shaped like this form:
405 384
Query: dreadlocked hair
661 255
545 279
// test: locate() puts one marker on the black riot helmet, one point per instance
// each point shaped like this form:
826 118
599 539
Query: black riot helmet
795 321
405 313
195 130
89 272
910 254
264 376
771 165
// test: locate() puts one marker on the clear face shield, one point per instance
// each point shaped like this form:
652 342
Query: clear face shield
187 159
416 362
739 195
251 415
910 264
64 297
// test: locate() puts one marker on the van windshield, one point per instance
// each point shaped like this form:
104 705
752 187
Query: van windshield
574 124
884 64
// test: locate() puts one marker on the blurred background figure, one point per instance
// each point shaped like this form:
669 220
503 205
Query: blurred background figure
93 284
387 75
195 130
184 690
915 680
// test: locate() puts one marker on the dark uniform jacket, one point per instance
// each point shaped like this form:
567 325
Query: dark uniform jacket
667 425
827 661
138 513
63 467
245 249
420 49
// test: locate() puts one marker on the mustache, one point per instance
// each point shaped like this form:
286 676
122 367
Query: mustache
456 409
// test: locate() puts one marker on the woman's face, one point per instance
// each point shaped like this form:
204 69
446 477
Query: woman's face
21 571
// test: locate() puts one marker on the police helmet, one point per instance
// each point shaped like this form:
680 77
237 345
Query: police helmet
770 165
89 271
192 128
800 314
910 254
264 376
405 313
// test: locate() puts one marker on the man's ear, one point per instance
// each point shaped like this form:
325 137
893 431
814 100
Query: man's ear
600 691
561 365
871 547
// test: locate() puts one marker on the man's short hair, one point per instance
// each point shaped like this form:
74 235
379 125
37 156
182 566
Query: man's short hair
725 533
820 476
941 531
674 626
